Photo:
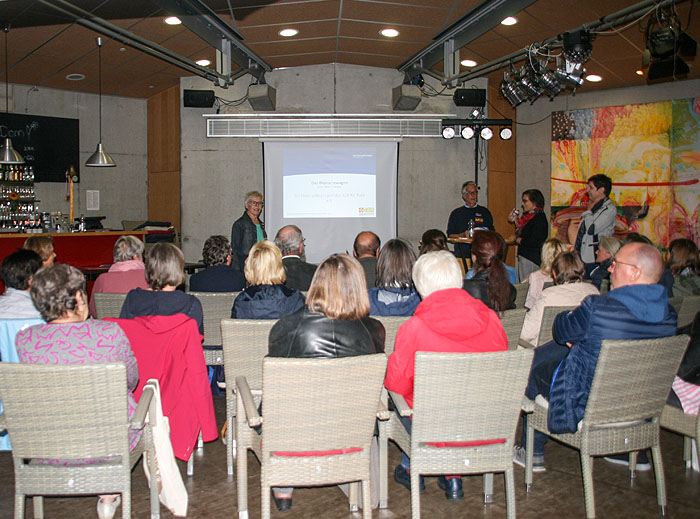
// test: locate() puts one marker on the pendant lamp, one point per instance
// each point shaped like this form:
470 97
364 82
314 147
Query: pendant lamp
8 155
100 159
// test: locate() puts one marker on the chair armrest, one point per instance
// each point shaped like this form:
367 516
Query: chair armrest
523 343
144 405
251 412
3 422
382 412
400 404
528 405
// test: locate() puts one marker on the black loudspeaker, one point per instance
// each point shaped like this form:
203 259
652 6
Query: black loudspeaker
198 98
470 97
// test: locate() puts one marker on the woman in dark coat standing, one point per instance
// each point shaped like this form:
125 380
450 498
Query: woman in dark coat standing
248 230
531 231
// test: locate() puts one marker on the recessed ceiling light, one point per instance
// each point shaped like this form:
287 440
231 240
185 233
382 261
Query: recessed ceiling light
468 63
509 21
151 86
288 33
172 20
75 77
389 33
203 62
593 78
122 49
639 72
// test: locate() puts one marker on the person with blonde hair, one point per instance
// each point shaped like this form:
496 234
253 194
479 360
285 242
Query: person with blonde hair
266 296
334 323
248 230
551 248
43 246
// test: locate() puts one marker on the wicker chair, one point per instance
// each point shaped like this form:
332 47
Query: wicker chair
546 325
312 406
521 294
108 305
512 321
244 344
629 390
688 425
73 412
391 326
688 308
215 306
460 397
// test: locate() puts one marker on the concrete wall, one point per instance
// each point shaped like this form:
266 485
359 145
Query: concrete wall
534 141
216 173
122 188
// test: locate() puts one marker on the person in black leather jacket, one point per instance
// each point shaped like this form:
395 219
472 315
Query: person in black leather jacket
490 283
247 230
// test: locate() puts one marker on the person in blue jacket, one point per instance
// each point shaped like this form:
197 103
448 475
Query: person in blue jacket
394 293
562 370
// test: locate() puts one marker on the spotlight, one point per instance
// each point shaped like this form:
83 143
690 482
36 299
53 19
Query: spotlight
448 132
530 86
506 133
486 133
578 46
467 132
512 91
550 83
570 74
667 43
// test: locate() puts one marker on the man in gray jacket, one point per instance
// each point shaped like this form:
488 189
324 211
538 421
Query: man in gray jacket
597 221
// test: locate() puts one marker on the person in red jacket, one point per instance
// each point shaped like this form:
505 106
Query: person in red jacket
447 320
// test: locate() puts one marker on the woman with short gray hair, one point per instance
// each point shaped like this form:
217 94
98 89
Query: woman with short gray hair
248 230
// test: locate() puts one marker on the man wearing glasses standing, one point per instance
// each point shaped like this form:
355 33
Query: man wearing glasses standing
636 308
459 223
248 230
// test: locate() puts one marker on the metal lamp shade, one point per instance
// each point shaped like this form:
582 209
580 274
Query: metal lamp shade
8 155
100 159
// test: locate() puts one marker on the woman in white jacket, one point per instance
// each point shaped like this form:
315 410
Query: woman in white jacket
568 290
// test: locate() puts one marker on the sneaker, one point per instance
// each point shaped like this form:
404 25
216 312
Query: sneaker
107 510
520 454
403 477
624 459
452 487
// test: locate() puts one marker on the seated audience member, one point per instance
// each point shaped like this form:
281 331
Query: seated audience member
607 248
218 276
127 271
290 242
43 246
666 277
685 392
490 283
568 290
684 264
551 248
334 323
165 271
438 325
266 297
433 240
394 293
636 308
366 250
511 271
18 270
70 337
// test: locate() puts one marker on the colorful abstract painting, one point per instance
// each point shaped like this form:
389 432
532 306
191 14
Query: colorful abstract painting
652 154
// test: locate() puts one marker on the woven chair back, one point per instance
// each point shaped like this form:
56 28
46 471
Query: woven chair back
633 378
391 327
468 396
108 305
689 307
215 306
66 411
320 404
245 344
521 294
512 321
550 312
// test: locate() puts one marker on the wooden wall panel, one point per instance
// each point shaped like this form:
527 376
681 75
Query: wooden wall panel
164 156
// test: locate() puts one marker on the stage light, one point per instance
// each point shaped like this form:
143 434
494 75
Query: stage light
467 132
511 91
486 133
550 83
448 132
570 74
506 133
578 46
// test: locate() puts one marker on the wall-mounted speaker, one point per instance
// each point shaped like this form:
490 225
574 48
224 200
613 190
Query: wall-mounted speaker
470 97
405 97
198 98
262 98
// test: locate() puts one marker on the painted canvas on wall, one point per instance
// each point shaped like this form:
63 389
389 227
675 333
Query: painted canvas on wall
652 154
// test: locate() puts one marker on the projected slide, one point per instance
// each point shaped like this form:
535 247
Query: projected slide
328 182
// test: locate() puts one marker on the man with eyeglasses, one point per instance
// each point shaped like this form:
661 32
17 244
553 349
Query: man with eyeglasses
636 308
248 230
458 224
290 242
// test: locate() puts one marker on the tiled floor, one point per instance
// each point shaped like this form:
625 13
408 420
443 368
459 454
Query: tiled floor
556 492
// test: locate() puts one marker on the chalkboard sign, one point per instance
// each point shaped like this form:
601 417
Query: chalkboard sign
49 144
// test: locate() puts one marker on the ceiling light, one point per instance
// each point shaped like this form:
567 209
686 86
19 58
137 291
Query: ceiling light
100 158
506 133
593 78
467 132
468 63
172 20
75 77
509 21
8 155
389 33
288 33
486 133
639 72
448 132
203 62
